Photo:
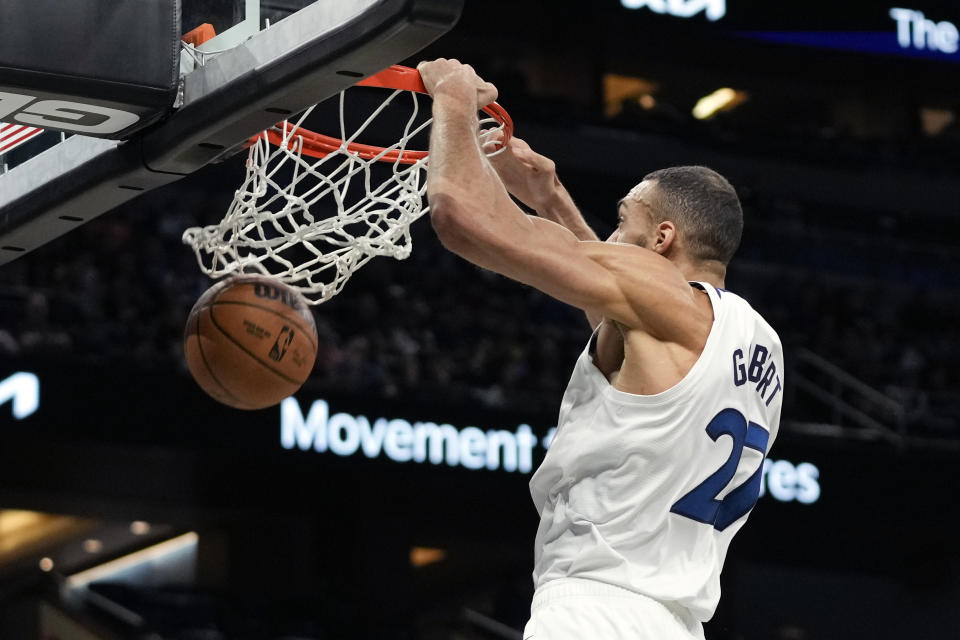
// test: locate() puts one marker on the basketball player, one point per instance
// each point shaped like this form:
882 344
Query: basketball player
673 403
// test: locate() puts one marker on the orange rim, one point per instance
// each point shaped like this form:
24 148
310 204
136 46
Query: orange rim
318 145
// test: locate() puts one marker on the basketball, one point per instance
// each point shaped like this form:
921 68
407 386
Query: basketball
250 341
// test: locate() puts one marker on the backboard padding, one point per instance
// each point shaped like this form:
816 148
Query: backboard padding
301 60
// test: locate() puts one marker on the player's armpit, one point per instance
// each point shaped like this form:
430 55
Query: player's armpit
608 351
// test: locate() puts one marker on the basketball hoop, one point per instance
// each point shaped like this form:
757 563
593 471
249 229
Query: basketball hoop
313 209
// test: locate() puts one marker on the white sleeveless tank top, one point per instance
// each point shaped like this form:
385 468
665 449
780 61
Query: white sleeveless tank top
646 492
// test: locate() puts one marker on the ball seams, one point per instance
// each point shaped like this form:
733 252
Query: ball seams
203 356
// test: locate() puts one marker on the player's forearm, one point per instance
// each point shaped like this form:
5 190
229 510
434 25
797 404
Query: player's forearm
455 154
561 209
469 207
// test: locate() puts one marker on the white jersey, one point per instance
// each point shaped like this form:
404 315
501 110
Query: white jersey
646 492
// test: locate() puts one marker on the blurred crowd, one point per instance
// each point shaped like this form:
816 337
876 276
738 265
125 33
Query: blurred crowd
435 328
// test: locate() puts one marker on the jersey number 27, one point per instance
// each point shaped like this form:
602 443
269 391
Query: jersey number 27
701 503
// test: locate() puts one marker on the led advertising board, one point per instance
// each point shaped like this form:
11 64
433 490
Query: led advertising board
919 30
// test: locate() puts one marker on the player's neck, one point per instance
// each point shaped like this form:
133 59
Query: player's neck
712 272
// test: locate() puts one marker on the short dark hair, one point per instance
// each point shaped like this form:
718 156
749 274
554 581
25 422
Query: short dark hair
705 208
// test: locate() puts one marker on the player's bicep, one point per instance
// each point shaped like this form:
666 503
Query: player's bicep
554 261
620 282
549 257
634 286
525 248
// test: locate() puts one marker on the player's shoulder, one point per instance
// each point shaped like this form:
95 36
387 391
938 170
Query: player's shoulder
746 311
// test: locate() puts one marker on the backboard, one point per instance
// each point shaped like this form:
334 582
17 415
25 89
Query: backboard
270 59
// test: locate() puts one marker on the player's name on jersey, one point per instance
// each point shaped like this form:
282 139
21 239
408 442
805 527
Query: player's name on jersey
755 367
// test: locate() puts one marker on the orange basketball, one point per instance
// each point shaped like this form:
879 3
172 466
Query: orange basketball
250 341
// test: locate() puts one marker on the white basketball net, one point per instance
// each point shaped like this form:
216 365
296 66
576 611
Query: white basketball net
311 223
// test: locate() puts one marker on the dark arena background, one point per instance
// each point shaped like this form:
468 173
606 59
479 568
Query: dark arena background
134 506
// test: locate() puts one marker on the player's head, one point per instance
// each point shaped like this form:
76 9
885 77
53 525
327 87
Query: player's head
702 205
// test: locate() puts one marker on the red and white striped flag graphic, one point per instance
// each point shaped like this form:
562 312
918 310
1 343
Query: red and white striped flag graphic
14 135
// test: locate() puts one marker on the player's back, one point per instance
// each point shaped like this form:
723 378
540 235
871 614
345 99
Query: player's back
646 492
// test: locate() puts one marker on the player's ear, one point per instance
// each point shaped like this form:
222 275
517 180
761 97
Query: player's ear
666 234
